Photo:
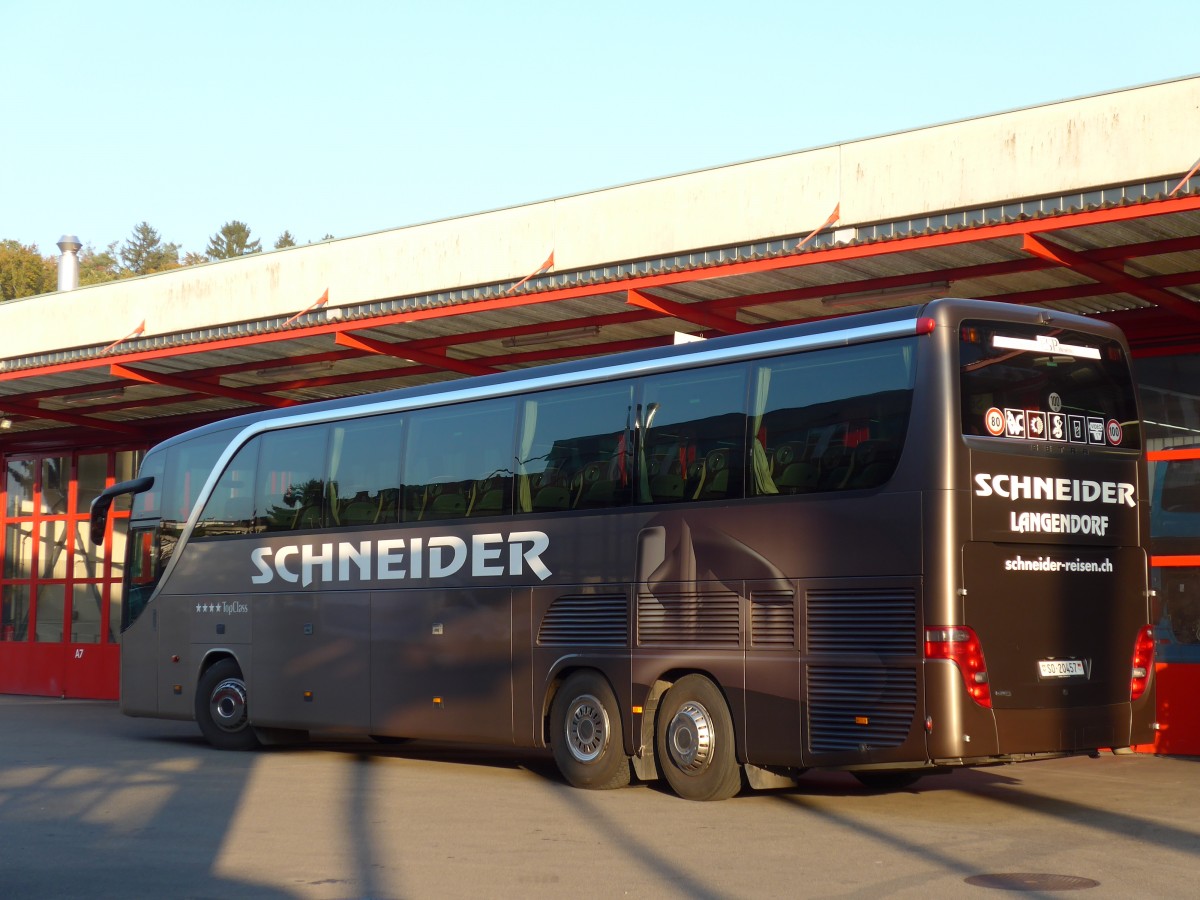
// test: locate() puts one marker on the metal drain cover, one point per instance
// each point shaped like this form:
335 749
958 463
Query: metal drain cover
1032 881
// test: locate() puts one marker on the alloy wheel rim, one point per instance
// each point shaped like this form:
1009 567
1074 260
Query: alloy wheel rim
587 728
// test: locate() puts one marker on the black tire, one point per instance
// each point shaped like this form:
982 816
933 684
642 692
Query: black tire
586 733
222 708
694 741
887 781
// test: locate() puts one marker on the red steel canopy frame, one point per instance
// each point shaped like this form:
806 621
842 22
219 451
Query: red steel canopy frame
1170 323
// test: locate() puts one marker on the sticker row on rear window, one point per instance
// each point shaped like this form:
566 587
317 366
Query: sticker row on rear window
1035 425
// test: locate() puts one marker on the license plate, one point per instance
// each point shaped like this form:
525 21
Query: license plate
1060 668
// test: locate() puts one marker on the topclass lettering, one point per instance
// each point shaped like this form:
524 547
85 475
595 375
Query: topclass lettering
392 559
1073 490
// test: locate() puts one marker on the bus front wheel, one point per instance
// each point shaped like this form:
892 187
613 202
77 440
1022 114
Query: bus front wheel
694 740
222 710
586 735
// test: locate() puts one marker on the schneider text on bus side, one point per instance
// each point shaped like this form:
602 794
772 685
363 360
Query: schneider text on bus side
396 558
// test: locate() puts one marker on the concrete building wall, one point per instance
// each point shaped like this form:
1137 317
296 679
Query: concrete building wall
1141 134
1128 136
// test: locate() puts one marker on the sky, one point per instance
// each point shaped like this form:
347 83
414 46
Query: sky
353 117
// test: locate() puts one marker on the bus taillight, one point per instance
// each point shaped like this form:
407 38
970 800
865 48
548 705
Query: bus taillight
1143 659
961 646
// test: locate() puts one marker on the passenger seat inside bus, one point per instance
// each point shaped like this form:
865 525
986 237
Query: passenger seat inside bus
361 509
720 473
596 490
795 474
446 502
667 481
835 466
874 462
490 496
306 517
552 497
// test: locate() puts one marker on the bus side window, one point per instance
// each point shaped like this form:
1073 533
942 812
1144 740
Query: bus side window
185 468
574 449
830 420
458 461
364 471
230 508
290 485
694 435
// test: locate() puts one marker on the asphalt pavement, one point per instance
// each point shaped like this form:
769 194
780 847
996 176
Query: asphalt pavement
94 804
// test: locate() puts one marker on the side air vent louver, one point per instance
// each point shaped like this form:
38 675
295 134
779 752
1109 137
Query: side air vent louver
859 709
588 619
877 621
695 619
773 620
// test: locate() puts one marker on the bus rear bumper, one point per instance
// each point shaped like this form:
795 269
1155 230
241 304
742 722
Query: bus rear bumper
1024 732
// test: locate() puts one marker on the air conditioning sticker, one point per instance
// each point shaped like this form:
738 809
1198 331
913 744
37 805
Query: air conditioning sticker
1014 423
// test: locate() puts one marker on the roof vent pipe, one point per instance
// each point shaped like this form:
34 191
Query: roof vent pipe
68 263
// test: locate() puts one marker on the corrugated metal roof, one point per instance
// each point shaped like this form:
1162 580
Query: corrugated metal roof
1134 230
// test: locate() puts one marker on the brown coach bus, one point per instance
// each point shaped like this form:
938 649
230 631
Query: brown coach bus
895 543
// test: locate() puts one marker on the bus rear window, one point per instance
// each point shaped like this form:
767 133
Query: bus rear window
1040 383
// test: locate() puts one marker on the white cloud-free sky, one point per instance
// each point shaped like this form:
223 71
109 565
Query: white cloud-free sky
346 118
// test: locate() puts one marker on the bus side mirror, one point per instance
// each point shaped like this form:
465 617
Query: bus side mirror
99 517
103 503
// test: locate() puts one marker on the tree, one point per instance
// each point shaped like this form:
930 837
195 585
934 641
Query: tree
97 268
24 272
232 240
285 240
144 252
191 258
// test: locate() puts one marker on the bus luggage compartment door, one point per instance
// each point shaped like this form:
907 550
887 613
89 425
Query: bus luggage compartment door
309 666
441 664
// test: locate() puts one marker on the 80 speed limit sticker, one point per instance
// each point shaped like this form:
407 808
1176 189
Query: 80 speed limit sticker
994 420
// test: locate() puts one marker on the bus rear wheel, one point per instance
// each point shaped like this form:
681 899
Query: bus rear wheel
694 741
222 708
586 735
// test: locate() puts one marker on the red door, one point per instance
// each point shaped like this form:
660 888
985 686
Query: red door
60 596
